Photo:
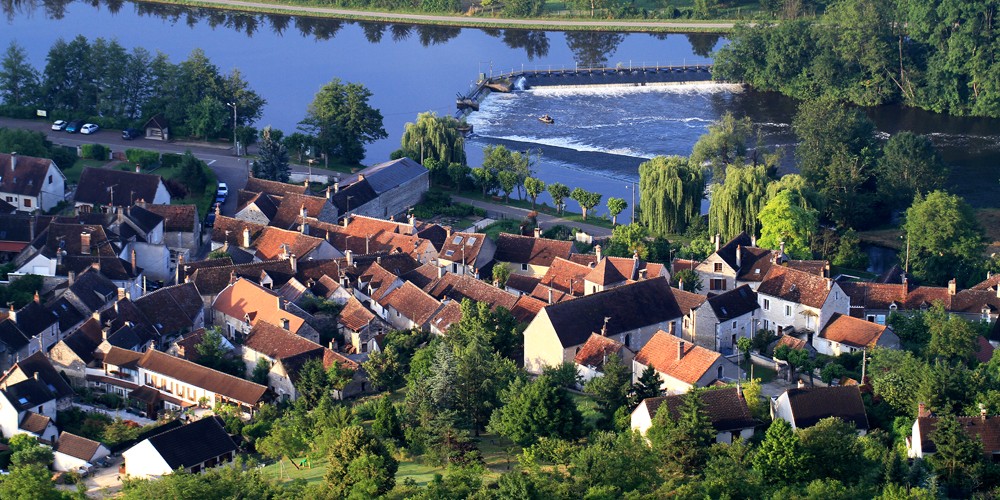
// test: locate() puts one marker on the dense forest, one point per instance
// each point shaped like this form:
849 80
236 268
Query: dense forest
939 55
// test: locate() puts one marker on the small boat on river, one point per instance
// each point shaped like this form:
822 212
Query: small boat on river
546 119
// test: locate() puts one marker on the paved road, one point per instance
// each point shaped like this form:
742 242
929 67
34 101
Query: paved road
544 221
608 24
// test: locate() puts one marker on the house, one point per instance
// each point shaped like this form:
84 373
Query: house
795 299
157 128
466 253
243 304
286 352
528 255
384 190
17 231
718 271
803 407
173 310
355 326
846 334
273 243
406 307
295 211
724 319
31 393
193 447
181 230
682 365
211 280
740 262
38 324
725 408
876 301
73 453
594 353
76 351
30 184
459 287
983 427
110 187
630 314
162 381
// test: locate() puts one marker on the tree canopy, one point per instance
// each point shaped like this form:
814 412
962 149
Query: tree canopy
671 191
341 121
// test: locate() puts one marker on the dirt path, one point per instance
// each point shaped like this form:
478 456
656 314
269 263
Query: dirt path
609 24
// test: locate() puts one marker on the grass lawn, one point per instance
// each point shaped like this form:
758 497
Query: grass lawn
540 208
287 472
421 473
203 200
588 407
499 453
765 374
502 226
73 173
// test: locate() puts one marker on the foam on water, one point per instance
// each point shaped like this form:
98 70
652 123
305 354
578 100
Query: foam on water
622 90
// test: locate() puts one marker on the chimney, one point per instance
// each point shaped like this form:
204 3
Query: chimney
71 277
680 284
718 241
982 408
922 410
105 330
441 272
952 286
413 220
293 262
284 323
597 252
801 384
680 350
447 232
753 240
826 270
336 187
246 237
347 220
306 184
739 255
232 277
13 161
85 242
121 293
218 209
37 299
550 295
132 259
349 255
906 285
152 345
329 192
304 213
538 232
138 169
642 274
782 247
361 177
829 284
998 291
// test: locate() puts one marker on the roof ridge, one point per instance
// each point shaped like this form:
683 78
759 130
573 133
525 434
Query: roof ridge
245 264
149 354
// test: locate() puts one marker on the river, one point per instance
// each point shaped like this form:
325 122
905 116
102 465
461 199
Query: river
600 136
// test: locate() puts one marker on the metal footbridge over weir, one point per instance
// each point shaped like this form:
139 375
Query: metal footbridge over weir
620 75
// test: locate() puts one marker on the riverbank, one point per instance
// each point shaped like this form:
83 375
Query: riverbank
547 24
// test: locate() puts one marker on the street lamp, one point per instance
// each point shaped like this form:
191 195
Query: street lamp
631 187
236 147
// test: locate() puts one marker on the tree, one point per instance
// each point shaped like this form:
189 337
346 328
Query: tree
834 451
272 159
629 237
779 458
646 386
615 207
944 238
726 143
206 118
559 193
508 180
611 389
613 464
30 482
952 338
485 178
501 273
671 191
737 201
785 223
531 410
26 450
313 382
849 253
18 78
744 344
458 172
704 9
433 136
360 465
387 424
213 353
384 369
261 372
342 122
193 173
909 165
586 199
958 456
688 280
534 187
682 440
286 439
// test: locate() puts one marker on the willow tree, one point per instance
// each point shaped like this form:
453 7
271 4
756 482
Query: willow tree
436 137
737 201
802 192
671 191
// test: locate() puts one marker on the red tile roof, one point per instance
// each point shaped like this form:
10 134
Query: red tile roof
564 272
605 274
28 177
230 230
984 351
459 244
76 446
986 429
687 300
256 185
665 354
361 225
276 342
526 308
180 218
355 316
272 240
528 250
596 349
412 302
449 314
243 298
289 210
458 287
852 331
795 286
202 377
791 342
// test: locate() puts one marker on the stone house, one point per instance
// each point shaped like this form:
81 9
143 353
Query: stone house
798 300
983 427
110 187
384 190
466 253
181 230
243 304
724 318
531 256
681 365
594 353
844 334
803 407
725 408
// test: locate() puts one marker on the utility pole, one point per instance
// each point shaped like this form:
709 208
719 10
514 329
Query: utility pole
236 146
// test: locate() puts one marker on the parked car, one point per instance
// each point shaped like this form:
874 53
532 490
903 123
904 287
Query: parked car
210 220
59 125
131 133
90 128
223 190
74 126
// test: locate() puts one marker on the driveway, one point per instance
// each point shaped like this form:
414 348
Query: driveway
115 414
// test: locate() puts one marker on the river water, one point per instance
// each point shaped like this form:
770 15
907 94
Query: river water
600 135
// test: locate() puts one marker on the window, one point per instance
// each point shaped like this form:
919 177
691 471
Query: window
767 307
788 310
524 267
718 267
50 179
717 284
734 325
719 376
27 202
870 318
10 198
628 339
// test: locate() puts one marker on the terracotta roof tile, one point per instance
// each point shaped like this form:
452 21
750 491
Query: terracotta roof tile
354 316
596 349
984 350
522 283
986 429
180 218
34 422
27 178
423 275
795 286
122 357
526 308
459 244
76 446
665 354
852 331
563 273
529 250
187 346
173 308
256 185
212 280
449 314
361 225
687 300
272 240
791 342
605 274
244 298
230 230
93 189
288 213
203 377
412 302
276 342
991 282
458 287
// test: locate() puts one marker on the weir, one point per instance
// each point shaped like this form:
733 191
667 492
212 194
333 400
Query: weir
637 76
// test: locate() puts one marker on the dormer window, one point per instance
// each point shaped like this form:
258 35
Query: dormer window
718 267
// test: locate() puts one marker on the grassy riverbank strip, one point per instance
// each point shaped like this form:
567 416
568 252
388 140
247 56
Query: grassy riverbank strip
541 24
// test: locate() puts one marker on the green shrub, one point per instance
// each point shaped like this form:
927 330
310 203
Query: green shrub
170 160
144 158
64 156
94 152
